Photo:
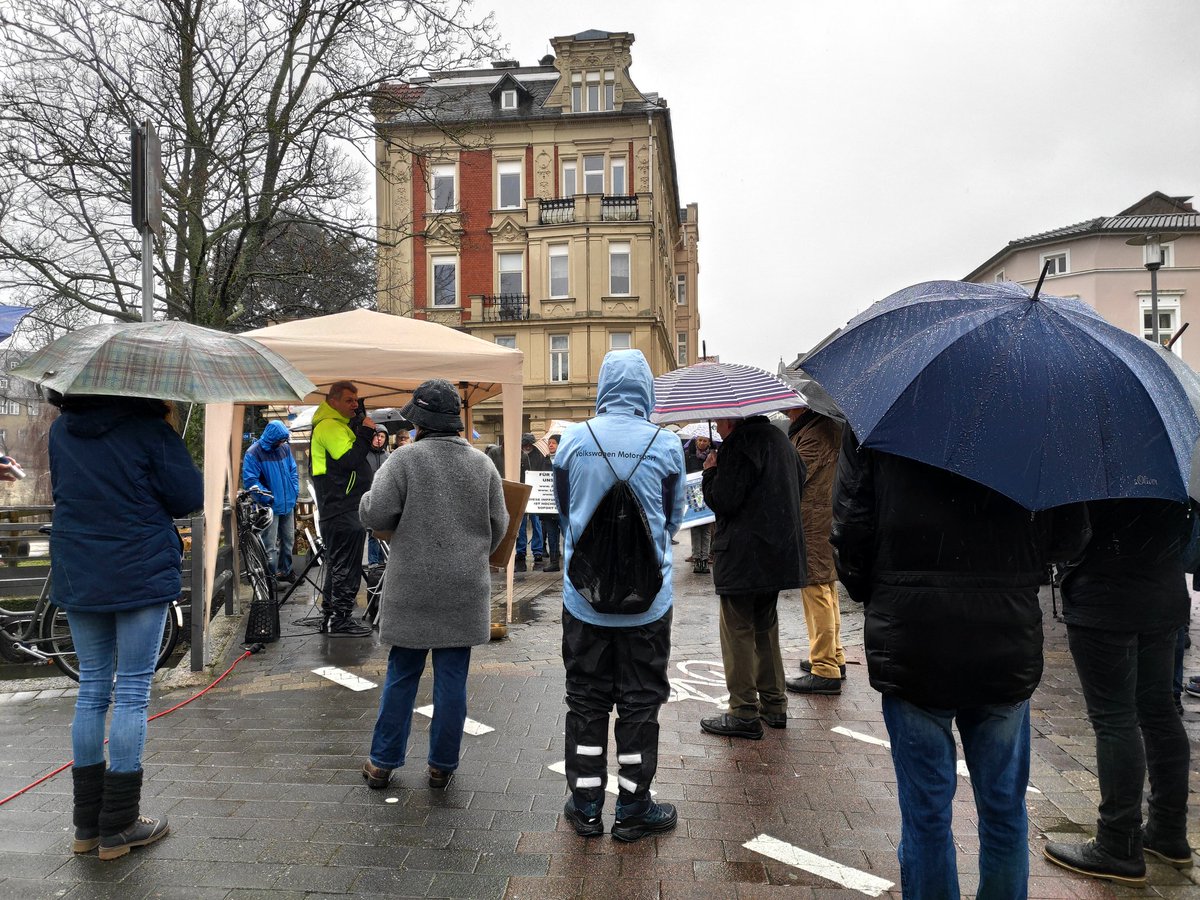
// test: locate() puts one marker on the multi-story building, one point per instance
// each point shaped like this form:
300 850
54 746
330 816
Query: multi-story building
24 424
1095 262
538 207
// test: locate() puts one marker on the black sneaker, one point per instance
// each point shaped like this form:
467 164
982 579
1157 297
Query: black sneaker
345 626
732 726
551 566
656 818
806 666
1173 853
143 831
584 818
775 720
1092 859
813 684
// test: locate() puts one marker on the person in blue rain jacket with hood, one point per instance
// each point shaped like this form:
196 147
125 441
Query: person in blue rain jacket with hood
617 660
269 464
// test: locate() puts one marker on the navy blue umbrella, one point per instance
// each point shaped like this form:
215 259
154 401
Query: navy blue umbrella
9 317
1036 397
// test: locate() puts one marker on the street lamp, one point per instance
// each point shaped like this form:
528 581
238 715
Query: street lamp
1153 244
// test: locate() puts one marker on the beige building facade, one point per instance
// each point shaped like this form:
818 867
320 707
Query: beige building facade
541 213
1094 262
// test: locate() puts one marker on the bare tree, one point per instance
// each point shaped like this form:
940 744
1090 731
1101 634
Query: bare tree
261 105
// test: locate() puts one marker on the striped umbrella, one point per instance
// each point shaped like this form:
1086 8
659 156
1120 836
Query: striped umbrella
167 361
713 390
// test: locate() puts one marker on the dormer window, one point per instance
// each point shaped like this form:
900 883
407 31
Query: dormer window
508 99
593 91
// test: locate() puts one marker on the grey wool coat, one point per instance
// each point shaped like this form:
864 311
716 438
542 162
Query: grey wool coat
443 502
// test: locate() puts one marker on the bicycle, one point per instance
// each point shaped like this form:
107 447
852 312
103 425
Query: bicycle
42 633
253 514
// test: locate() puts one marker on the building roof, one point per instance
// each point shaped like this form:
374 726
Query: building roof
1154 212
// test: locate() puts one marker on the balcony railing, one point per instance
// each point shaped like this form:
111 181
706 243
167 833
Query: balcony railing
557 212
505 307
619 209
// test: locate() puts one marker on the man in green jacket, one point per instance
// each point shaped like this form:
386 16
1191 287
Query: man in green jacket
341 474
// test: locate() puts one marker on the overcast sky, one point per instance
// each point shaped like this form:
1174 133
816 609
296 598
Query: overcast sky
841 151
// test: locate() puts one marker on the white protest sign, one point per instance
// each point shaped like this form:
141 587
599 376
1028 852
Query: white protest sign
542 499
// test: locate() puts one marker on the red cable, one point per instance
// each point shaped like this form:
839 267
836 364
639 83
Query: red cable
68 765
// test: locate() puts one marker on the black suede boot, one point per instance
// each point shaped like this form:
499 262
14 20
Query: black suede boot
88 793
121 827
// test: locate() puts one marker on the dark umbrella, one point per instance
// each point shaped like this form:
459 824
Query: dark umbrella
815 397
9 317
1037 397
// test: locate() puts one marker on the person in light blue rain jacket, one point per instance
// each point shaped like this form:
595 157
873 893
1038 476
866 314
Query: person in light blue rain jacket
617 660
269 464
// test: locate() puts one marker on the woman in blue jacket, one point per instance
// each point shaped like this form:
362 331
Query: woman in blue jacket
120 474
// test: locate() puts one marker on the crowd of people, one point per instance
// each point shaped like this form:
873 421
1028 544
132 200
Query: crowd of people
948 572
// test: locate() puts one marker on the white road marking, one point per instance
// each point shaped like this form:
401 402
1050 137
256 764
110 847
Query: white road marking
960 767
469 727
610 783
855 880
344 678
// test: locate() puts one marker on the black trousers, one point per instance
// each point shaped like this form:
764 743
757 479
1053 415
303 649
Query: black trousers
606 667
1126 680
344 539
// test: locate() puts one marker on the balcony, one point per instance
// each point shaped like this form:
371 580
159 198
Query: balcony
556 212
619 209
505 307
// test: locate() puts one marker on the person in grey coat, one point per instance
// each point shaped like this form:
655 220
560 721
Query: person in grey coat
441 507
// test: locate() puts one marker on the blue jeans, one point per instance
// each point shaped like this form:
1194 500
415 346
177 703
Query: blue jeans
536 541
995 742
282 530
128 643
389 744
374 552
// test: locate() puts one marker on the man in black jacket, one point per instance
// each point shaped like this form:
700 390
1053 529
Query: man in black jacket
753 486
949 572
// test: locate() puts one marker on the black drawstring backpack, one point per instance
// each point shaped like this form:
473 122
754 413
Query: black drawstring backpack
615 564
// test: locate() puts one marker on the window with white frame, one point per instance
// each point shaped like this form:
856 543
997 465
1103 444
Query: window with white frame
1168 318
10 407
593 90
507 340
1167 255
511 273
593 174
560 279
620 340
445 281
681 347
3 382
560 357
999 276
508 99
569 180
610 89
1059 262
33 407
442 177
618 269
508 178
577 92
681 288
617 173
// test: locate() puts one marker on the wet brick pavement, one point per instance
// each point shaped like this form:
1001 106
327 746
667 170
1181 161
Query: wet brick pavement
260 779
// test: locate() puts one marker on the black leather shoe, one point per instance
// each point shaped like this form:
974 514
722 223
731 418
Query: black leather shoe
1173 853
584 818
377 777
732 726
806 666
439 779
775 720
1091 859
348 627
813 684
552 566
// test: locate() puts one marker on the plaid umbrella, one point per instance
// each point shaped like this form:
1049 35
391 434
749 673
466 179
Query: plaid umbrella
165 360
712 390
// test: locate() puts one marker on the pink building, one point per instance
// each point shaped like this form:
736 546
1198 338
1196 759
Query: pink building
1093 262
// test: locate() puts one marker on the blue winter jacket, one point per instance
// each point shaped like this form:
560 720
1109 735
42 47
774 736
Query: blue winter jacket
119 474
270 465
624 398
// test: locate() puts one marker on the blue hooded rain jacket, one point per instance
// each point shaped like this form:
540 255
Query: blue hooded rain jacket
624 398
270 465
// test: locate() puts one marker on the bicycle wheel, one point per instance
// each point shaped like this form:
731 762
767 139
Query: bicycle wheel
254 559
56 640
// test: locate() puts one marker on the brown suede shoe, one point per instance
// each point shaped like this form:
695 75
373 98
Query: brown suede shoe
376 777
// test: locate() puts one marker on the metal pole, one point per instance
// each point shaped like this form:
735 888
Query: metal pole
147 274
1153 267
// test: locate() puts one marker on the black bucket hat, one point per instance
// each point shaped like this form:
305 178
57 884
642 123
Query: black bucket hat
435 406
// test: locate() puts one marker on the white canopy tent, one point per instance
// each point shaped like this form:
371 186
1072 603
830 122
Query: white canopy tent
387 356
